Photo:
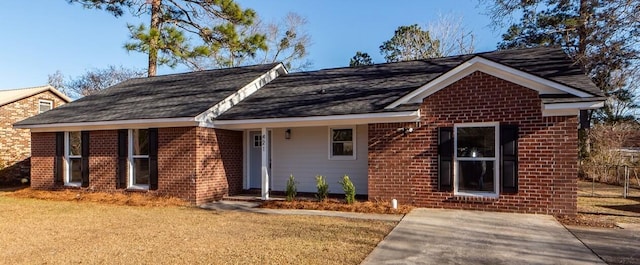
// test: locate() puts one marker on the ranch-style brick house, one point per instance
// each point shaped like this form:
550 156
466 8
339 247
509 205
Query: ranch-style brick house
15 144
490 131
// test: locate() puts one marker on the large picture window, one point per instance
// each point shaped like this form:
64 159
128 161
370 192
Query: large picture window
476 159
73 157
342 145
139 158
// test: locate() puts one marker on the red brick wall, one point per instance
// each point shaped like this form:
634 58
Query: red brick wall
15 144
103 160
219 164
43 151
405 167
176 162
195 164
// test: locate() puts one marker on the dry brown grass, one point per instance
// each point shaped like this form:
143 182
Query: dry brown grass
47 232
603 206
337 205
130 199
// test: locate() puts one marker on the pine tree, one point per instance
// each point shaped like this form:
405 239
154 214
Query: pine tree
602 36
165 39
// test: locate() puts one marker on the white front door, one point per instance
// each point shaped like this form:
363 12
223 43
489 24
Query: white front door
255 159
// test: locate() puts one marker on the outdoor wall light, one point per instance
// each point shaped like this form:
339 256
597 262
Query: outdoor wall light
405 130
287 134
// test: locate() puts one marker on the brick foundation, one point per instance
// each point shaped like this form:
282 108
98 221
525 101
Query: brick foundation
405 167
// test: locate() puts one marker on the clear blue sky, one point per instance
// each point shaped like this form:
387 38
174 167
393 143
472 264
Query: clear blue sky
42 36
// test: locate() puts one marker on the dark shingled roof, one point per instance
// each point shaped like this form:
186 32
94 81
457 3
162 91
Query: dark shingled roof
166 96
368 89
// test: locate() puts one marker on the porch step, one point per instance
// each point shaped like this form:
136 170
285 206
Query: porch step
248 198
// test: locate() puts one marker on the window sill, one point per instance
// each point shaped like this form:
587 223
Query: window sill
73 184
477 195
342 158
138 188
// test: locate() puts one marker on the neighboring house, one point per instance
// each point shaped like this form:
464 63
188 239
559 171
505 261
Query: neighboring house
489 131
15 144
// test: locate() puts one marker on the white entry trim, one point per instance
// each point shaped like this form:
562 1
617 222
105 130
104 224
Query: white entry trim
248 145
542 85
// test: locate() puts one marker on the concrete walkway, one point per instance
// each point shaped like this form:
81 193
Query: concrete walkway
251 207
615 246
438 236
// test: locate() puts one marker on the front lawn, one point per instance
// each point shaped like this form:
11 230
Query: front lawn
57 232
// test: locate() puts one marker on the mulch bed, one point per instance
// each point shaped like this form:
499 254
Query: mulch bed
129 199
338 205
586 220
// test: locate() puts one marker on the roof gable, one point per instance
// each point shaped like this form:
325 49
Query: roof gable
544 86
13 95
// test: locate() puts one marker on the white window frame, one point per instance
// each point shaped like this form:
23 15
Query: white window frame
130 161
495 160
45 101
67 161
353 139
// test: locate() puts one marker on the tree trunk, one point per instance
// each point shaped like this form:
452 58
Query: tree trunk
154 29
584 13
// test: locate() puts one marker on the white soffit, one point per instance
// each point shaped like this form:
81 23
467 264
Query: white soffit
351 119
542 85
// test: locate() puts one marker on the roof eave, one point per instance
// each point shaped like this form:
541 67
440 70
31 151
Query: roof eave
110 125
328 120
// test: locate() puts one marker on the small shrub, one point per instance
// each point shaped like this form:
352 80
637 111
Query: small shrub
323 188
349 189
291 189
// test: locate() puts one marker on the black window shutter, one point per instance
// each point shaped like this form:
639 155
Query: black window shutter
58 168
445 158
121 181
85 158
509 155
153 158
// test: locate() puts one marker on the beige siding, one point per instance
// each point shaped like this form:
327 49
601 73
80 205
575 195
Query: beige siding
306 155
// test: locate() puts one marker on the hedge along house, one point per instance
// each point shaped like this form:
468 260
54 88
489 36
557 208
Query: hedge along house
491 131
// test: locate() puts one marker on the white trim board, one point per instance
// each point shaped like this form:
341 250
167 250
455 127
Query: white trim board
569 109
351 119
206 118
111 125
542 85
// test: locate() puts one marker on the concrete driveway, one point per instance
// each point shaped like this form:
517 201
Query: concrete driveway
437 236
615 246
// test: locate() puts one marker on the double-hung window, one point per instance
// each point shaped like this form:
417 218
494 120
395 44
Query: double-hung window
72 158
139 158
342 143
476 159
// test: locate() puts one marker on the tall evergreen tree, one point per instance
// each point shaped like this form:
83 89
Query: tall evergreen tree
602 36
165 39
410 43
